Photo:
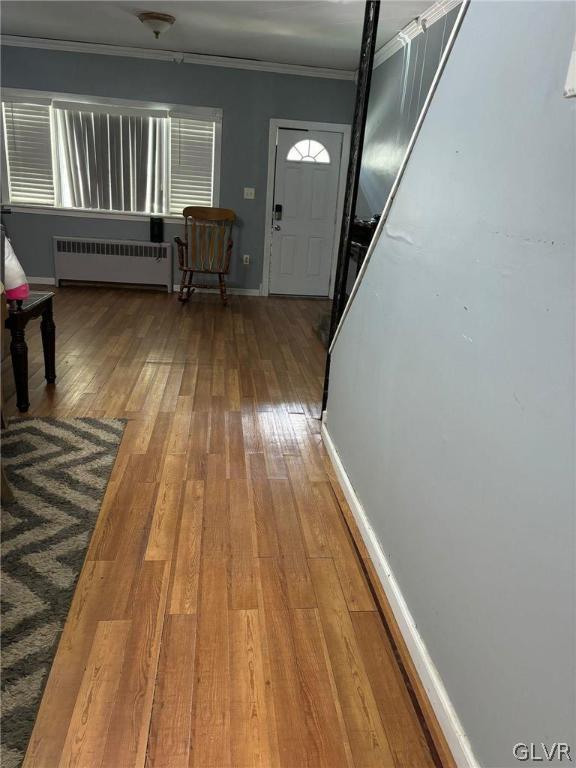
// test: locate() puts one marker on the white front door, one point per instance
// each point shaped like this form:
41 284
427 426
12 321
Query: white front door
304 211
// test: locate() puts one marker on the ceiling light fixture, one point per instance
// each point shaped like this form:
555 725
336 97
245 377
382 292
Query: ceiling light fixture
157 22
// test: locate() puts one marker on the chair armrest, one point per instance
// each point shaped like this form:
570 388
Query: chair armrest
182 247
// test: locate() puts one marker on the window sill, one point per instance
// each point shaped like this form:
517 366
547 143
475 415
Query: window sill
47 211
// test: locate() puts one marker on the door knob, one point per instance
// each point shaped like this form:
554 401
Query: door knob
277 227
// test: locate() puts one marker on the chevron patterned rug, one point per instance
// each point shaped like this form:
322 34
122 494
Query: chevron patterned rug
58 470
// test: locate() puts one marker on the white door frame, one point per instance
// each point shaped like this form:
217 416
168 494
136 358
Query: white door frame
275 124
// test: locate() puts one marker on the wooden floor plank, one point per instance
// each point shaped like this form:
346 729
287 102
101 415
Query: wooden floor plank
90 719
127 738
243 545
352 579
250 722
169 742
184 590
235 446
266 534
216 528
294 742
178 440
324 718
293 559
311 518
59 699
164 522
366 733
211 723
406 740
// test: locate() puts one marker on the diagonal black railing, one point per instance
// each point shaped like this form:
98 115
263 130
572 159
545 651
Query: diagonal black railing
365 65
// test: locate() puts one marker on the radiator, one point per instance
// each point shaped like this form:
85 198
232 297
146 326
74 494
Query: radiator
113 261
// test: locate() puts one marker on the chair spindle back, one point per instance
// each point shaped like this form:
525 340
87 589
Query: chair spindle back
208 239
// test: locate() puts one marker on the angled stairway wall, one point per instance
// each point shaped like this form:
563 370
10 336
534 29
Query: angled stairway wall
452 400
398 90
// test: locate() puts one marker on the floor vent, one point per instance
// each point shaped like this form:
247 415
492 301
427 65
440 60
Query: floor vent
113 261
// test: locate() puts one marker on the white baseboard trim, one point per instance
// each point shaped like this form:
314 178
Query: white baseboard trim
41 280
447 717
231 291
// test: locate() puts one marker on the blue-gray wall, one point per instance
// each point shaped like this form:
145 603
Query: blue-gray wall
397 93
248 100
451 398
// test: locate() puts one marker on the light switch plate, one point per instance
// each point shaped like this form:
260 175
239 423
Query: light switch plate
249 193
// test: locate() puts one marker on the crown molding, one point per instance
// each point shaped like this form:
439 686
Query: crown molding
436 11
178 57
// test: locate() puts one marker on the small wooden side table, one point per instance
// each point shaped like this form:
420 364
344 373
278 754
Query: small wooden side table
38 304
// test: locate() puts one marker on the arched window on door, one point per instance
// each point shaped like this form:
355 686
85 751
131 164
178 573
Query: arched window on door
308 151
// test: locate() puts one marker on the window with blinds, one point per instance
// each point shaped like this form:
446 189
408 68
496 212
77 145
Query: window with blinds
108 158
108 161
28 146
191 162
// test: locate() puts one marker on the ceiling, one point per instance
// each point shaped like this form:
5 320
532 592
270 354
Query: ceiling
317 33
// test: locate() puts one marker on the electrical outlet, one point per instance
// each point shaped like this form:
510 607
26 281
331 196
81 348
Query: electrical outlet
246 258
249 193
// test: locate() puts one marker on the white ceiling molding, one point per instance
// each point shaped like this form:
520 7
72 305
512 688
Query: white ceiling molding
176 56
415 28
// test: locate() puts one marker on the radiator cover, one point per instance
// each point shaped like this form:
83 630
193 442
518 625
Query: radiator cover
113 261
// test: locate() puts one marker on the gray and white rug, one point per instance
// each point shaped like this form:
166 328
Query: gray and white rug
58 471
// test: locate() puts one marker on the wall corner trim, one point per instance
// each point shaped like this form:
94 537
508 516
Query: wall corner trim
429 677
179 57
415 28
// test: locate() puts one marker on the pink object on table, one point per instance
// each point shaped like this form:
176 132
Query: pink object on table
14 277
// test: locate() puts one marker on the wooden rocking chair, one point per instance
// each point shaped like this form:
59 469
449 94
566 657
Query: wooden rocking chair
206 248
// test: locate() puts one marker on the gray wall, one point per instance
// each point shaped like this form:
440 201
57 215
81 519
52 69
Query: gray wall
452 388
397 93
248 100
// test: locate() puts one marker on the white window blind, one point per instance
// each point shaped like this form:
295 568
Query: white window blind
191 162
29 153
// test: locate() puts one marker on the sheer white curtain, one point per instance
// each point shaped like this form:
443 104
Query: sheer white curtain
110 161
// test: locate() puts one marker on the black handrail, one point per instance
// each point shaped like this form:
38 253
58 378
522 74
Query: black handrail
365 66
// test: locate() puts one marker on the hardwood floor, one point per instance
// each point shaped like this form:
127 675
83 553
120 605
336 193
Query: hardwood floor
222 618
